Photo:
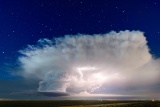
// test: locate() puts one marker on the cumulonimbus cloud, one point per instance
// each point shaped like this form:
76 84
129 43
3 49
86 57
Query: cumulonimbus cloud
78 63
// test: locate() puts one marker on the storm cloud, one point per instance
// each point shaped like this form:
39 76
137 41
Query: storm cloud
91 63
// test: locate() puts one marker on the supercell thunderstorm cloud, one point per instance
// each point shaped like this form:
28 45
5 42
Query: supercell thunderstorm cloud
90 63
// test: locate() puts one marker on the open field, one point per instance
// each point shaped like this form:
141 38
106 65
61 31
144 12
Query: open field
80 103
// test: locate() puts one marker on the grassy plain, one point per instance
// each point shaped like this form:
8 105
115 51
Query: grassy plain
79 103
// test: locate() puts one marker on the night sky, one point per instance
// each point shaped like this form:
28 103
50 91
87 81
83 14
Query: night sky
24 22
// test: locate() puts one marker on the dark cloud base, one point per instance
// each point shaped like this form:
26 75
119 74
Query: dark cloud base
54 94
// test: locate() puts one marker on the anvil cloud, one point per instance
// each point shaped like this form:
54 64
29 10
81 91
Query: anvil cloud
91 63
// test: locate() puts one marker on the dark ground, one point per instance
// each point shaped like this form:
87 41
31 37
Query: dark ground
80 103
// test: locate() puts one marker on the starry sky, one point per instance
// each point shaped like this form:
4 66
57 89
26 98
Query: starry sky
24 22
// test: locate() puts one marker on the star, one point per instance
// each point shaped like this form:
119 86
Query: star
123 11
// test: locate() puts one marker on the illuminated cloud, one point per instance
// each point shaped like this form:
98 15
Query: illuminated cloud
91 63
